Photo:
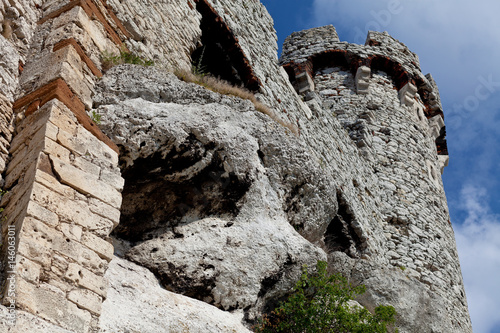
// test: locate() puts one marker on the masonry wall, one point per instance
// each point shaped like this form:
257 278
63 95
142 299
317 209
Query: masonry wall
18 22
62 180
386 110
367 114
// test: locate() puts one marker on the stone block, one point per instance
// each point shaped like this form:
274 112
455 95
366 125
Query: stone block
82 37
72 231
64 63
85 278
27 322
99 245
51 304
54 149
73 249
81 139
15 174
363 80
17 199
85 165
304 83
72 142
78 16
105 210
113 177
51 131
29 127
28 270
42 214
66 208
407 94
86 299
71 210
443 162
68 247
33 146
62 117
50 182
436 123
84 183
36 241
97 148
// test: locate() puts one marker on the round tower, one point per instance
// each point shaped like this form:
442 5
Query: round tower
394 118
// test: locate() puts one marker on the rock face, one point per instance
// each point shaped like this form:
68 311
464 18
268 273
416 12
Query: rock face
225 205
226 236
134 292
219 206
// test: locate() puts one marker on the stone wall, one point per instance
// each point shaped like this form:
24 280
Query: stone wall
365 191
62 181
393 127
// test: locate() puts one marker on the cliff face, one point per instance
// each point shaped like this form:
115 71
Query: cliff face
188 190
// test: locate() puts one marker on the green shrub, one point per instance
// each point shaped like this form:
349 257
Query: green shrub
124 57
319 304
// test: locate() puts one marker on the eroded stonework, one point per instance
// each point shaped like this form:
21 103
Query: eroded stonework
200 195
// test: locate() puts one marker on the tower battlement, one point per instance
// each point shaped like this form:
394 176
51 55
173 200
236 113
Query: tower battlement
305 52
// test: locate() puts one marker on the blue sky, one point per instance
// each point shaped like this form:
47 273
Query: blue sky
458 42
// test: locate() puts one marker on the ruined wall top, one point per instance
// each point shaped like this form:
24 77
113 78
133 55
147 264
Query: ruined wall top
301 45
308 49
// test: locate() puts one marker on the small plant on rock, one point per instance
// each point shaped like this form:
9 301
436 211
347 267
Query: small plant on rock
95 117
124 57
319 303
225 88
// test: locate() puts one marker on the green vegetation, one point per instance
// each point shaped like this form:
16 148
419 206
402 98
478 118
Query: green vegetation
124 57
319 304
96 117
2 193
197 66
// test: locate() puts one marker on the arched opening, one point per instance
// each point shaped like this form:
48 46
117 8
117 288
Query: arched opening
220 55
393 69
331 59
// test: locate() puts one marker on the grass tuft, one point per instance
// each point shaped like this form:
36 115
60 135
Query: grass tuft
225 88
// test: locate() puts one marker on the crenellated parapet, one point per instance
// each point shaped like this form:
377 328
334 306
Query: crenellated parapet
306 52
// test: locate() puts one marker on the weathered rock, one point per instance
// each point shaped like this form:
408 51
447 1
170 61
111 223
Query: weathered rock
134 292
239 177
26 322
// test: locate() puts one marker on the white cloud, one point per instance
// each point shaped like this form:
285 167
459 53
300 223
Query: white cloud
478 242
457 40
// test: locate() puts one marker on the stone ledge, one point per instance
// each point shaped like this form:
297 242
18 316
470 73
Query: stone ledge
91 10
58 89
83 56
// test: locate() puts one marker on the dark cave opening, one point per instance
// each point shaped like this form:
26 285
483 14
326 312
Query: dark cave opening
162 192
340 234
220 54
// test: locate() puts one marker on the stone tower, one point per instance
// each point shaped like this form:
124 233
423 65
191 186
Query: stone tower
187 201
393 115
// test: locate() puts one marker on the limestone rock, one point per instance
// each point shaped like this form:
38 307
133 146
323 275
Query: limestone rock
212 189
26 322
134 292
